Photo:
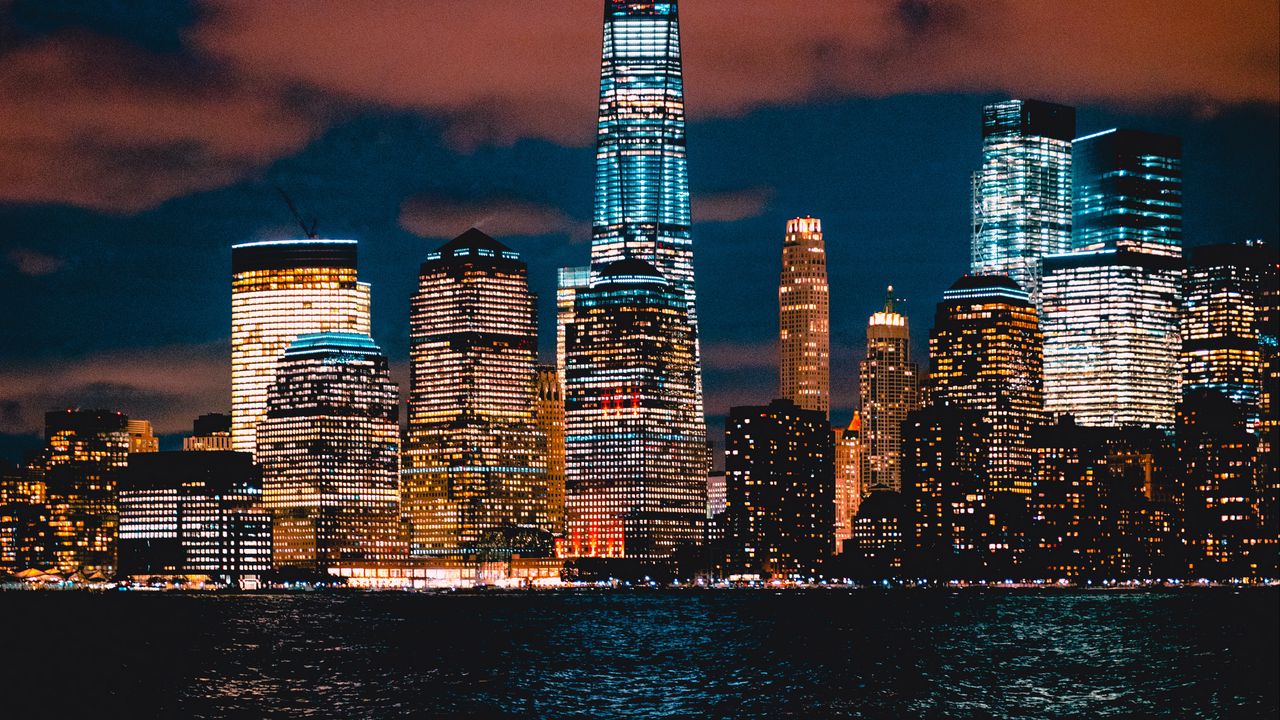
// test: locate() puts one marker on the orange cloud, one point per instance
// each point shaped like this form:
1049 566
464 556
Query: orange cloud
730 206
34 263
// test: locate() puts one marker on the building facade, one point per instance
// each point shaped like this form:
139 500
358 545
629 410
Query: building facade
193 513
84 453
329 449
280 290
1111 307
986 353
211 431
635 444
1022 194
804 317
142 439
549 416
889 388
780 490
848 473
473 473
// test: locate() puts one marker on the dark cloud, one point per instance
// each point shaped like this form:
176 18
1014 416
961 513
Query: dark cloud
34 263
438 217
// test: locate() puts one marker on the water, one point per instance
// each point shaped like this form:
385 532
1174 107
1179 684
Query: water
643 654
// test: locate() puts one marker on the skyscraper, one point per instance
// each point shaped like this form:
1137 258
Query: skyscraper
848 471
84 452
642 175
209 432
472 468
1022 194
549 415
279 290
889 388
804 317
780 485
636 459
1111 307
1222 332
328 445
986 354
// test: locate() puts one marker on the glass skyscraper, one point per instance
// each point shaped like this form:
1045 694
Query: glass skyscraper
636 458
1022 194
1111 307
279 290
804 317
329 449
473 475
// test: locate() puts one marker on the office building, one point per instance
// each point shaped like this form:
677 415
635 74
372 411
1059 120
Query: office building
1022 194
25 535
329 447
1127 193
986 354
635 445
848 475
549 417
193 513
780 486
280 290
889 388
473 473
84 451
804 317
142 438
211 431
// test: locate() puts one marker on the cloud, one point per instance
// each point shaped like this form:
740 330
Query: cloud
101 124
729 355
34 263
437 217
730 206
167 385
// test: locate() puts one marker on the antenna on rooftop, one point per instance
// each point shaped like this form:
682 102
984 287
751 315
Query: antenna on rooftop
308 230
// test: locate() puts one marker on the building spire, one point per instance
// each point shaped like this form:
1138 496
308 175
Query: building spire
890 305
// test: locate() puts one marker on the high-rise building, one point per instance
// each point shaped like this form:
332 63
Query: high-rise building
848 473
889 388
804 317
142 439
780 481
193 513
328 445
280 290
986 354
636 460
642 175
1222 332
25 536
549 414
569 281
1127 192
84 451
473 473
1111 307
1022 194
211 431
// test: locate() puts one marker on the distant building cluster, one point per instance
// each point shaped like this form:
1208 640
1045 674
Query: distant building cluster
1097 405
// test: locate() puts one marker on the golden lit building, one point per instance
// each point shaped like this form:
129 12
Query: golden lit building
84 450
848 469
279 290
804 317
474 479
24 520
328 445
986 353
889 388
141 437
549 413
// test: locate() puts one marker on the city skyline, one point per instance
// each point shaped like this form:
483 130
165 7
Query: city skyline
1229 144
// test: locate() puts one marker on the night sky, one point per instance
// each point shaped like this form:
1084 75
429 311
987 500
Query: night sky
140 140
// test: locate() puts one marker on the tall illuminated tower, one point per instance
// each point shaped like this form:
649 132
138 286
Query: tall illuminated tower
889 388
804 317
280 290
636 459
472 468
1111 307
986 354
329 449
1022 194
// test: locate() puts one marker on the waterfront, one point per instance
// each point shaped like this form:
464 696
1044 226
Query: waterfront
645 654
